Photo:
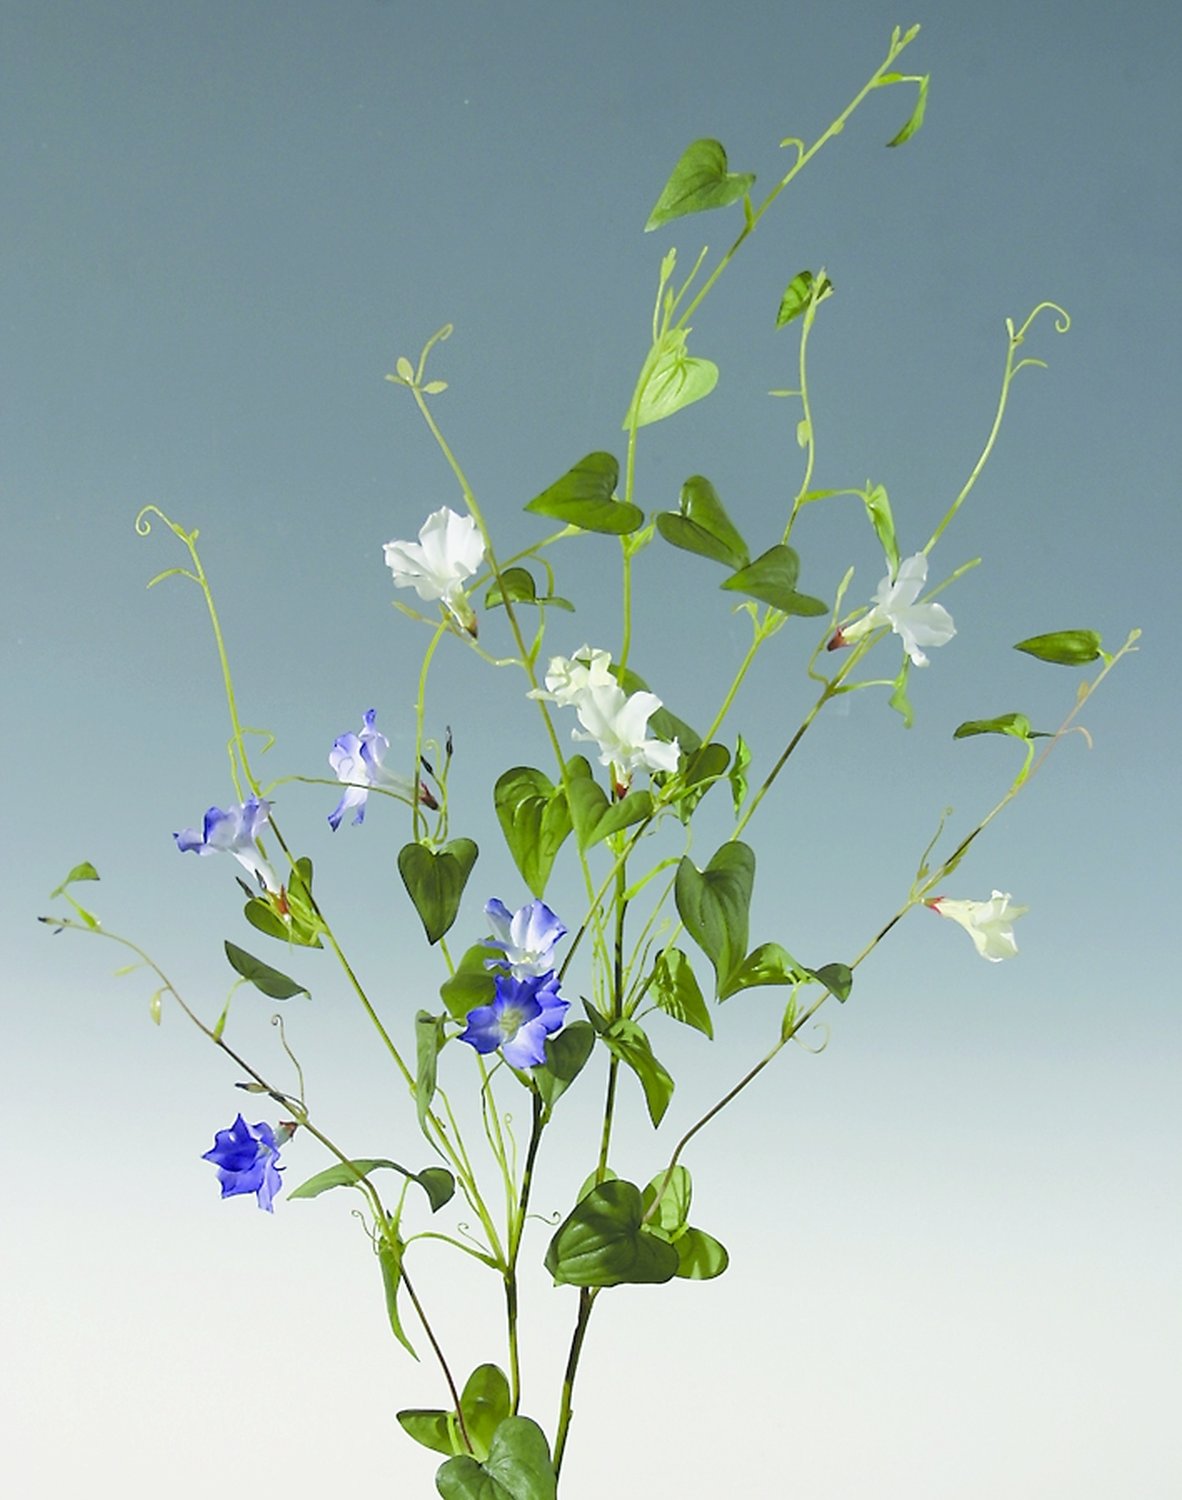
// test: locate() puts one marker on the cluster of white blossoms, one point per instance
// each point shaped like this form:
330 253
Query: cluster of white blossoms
614 720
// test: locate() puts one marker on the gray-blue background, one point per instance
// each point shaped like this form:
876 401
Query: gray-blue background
955 1233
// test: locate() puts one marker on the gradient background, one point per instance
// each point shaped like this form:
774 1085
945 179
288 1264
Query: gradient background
955 1233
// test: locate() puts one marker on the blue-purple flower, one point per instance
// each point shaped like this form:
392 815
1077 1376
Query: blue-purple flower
357 758
247 1159
527 936
233 831
522 1015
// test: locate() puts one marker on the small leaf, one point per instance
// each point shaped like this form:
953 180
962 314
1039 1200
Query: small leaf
767 964
434 387
272 983
699 181
604 1243
485 1404
566 1056
585 497
676 991
797 295
1016 724
737 775
435 881
878 509
84 871
1065 648
535 820
675 379
436 1182
472 984
437 1430
899 700
627 1041
429 1039
406 371
714 904
517 585
917 114
594 816
677 1191
771 578
518 1467
390 1259
837 978
703 526
699 1256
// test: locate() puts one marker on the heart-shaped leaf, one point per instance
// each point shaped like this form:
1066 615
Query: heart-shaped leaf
594 816
676 991
435 880
585 497
767 964
771 578
628 1042
677 1191
535 819
703 526
270 981
472 984
604 1243
674 379
699 181
518 1467
714 904
797 295
838 979
1066 648
566 1056
700 1256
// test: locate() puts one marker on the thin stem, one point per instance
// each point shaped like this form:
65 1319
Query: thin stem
566 1411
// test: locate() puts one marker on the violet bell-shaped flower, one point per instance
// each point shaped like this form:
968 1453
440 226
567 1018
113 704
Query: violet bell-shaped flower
357 759
247 1159
527 937
522 1015
233 831
449 550
990 923
894 605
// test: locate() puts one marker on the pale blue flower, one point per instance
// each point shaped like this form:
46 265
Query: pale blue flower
247 1159
528 937
358 758
522 1015
233 831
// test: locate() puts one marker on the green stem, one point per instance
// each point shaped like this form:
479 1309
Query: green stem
566 1411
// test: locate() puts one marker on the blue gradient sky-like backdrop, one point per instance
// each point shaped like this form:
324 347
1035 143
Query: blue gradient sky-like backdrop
955 1232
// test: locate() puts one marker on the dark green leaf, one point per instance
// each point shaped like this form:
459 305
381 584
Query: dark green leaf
604 1243
714 904
917 114
771 578
797 295
429 1039
1065 648
594 816
437 1182
472 984
535 819
674 379
390 1258
676 991
517 585
435 881
700 1256
699 181
627 1041
1016 724
518 1467
584 497
837 978
703 526
272 983
566 1056
767 964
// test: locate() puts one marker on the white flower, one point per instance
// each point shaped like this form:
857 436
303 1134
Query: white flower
990 923
449 549
568 678
894 605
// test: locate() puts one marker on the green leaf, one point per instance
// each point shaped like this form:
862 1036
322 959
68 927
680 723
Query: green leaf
878 509
837 978
674 379
390 1258
604 1243
436 1182
485 1404
472 984
677 1190
737 775
703 526
797 295
771 578
429 1039
699 181
676 991
566 1056
714 905
627 1041
767 964
535 819
700 1257
899 700
1065 648
584 497
1016 724
594 816
272 983
438 1430
917 114
435 881
518 1467
517 585
84 871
